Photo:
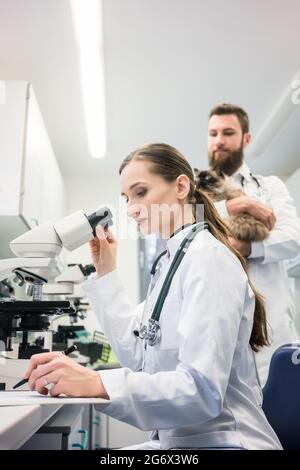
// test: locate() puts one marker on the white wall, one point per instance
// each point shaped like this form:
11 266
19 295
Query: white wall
89 193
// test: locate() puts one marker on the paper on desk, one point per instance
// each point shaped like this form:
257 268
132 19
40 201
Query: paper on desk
20 397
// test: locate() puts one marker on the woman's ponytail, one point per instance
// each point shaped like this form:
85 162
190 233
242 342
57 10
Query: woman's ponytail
259 335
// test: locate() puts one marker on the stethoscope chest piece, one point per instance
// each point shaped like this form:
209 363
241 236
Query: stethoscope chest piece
153 332
150 333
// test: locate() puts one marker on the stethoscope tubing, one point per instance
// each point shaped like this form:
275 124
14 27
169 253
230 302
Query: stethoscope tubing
253 178
173 268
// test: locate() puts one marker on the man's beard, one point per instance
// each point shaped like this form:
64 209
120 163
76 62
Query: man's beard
227 161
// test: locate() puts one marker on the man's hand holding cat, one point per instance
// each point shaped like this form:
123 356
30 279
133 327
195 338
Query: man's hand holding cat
253 207
244 247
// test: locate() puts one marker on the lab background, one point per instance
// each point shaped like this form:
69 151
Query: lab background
154 71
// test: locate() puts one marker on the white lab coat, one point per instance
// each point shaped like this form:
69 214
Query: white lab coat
199 387
266 262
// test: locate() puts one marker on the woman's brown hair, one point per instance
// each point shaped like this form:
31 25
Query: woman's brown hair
169 163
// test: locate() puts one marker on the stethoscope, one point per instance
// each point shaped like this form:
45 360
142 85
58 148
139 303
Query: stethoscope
262 192
253 178
151 333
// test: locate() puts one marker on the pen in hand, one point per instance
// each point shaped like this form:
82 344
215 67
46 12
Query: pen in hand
66 352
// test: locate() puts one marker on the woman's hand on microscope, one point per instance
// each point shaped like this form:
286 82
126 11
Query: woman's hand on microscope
104 251
57 374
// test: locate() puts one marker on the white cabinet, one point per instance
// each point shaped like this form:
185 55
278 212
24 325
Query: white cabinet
121 434
63 431
110 433
31 186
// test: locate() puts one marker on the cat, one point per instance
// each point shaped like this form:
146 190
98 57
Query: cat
219 187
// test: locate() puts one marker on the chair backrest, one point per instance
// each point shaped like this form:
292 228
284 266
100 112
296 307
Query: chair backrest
281 395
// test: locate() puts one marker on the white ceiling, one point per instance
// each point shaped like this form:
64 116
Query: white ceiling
167 62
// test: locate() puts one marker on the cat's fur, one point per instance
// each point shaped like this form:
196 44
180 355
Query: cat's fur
219 187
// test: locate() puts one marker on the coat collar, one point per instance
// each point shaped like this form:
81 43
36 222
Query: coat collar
242 171
174 242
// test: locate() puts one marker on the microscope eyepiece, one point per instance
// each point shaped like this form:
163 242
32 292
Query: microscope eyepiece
102 216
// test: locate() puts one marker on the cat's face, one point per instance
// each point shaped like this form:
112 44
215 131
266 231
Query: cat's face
209 179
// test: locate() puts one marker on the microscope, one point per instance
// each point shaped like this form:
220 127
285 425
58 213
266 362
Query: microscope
64 286
92 349
36 251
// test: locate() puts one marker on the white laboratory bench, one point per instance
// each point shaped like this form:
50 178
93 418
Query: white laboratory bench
52 427
19 423
46 426
57 427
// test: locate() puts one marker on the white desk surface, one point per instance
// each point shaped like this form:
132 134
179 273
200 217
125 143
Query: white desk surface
22 413
27 397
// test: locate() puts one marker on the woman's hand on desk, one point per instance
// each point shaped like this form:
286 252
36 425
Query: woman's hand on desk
104 251
67 377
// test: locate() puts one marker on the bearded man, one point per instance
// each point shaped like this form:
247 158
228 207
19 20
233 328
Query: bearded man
267 199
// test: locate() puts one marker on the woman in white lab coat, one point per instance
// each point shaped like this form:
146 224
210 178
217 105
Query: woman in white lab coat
196 387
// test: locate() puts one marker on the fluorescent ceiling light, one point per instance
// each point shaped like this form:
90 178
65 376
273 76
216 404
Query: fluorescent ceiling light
87 19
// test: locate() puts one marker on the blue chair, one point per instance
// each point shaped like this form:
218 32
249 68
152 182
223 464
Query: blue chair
281 395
